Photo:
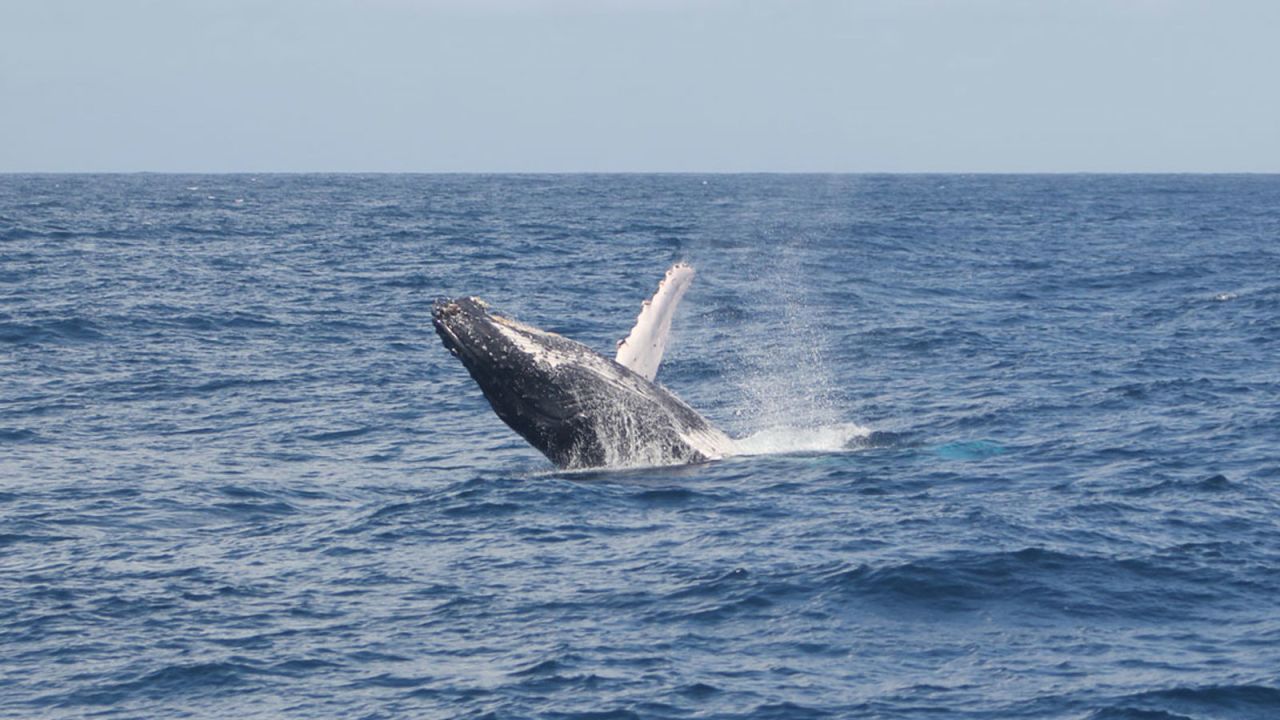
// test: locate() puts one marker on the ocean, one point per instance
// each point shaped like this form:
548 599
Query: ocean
1011 449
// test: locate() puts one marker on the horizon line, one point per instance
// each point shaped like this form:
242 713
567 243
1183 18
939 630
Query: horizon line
639 172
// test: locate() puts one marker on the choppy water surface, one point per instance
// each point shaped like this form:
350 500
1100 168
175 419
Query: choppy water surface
1014 450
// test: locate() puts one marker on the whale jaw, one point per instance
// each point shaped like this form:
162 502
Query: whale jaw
577 407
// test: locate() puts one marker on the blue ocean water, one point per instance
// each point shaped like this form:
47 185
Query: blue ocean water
1014 449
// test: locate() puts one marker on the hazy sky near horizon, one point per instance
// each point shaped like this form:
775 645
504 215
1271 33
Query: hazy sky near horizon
640 85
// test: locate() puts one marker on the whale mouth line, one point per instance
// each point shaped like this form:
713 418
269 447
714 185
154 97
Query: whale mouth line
444 315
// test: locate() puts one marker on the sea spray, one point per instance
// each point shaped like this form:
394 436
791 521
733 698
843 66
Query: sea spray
787 398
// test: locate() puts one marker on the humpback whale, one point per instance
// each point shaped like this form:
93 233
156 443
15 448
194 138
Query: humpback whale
579 408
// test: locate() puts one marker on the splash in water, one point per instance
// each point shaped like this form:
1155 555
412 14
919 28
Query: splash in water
788 439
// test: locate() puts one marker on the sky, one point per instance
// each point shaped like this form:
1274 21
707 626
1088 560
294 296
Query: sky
640 86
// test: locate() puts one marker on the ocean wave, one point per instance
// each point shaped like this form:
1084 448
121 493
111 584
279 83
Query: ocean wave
72 329
1047 581
1225 702
18 435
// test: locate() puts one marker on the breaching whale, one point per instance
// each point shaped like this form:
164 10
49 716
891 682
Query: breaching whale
578 407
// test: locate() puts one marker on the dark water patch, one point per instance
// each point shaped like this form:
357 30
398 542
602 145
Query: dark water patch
389 455
551 667
171 681
715 586
1037 580
608 714
1211 484
1214 483
388 680
770 711
7 539
1128 713
51 331
29 232
481 509
337 435
18 332
668 497
237 491
1209 701
254 510
18 435
193 431
699 691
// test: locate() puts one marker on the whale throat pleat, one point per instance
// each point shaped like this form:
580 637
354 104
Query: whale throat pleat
642 350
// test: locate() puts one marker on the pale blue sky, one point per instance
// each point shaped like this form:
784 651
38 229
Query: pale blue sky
634 85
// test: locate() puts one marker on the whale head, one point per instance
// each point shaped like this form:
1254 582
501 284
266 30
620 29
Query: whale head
520 369
465 327
488 343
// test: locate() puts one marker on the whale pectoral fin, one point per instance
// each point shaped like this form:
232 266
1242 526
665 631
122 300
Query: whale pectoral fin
642 350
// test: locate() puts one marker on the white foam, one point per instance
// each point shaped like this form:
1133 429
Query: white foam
785 439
